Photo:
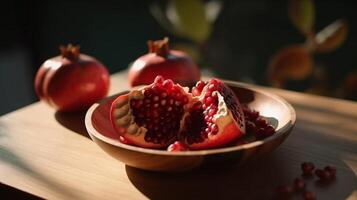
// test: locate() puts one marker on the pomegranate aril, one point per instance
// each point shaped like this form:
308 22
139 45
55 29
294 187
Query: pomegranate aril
212 111
307 195
163 95
251 128
208 101
214 128
331 169
159 80
168 84
323 175
269 131
261 122
307 168
177 146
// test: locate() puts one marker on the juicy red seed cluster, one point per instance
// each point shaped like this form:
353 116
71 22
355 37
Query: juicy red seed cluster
160 111
257 125
210 107
195 127
201 122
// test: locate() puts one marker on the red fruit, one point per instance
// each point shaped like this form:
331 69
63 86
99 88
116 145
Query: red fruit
307 168
163 112
171 64
71 81
177 146
217 121
150 117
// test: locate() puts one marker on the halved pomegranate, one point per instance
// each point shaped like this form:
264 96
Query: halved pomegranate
150 117
215 119
164 113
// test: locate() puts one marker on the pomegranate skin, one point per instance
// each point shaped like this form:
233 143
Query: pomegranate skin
71 85
178 66
170 64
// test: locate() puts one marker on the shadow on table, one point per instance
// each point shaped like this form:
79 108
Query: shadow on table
73 121
251 181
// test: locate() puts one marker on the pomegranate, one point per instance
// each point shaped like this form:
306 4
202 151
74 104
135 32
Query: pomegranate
171 64
159 114
71 81
215 119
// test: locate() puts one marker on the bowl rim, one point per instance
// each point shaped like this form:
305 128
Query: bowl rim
282 131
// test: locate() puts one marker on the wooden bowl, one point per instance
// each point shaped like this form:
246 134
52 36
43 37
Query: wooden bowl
101 131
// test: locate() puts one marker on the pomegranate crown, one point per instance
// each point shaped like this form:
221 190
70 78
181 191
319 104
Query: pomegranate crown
160 47
70 51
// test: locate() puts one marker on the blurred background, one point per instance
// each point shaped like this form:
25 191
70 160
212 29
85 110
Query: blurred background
308 47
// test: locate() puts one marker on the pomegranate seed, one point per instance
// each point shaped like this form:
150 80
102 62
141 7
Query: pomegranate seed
159 79
307 195
211 87
261 122
163 102
331 169
214 128
208 130
324 175
163 95
251 128
284 191
208 101
168 84
212 111
269 131
176 146
299 184
171 101
155 98
307 168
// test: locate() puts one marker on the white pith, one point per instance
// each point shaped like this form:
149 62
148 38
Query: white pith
223 116
124 117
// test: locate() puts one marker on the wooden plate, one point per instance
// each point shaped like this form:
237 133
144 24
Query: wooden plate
101 131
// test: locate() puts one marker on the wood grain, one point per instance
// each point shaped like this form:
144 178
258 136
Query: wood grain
49 155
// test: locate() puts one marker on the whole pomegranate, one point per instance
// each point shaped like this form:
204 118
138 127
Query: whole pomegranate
71 81
172 64
164 113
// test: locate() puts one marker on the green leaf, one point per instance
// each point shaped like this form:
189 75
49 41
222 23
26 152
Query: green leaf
189 18
302 15
331 37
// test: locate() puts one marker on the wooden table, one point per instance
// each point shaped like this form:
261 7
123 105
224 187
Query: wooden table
49 155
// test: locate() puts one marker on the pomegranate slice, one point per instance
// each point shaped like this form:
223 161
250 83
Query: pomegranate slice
215 119
165 113
150 117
